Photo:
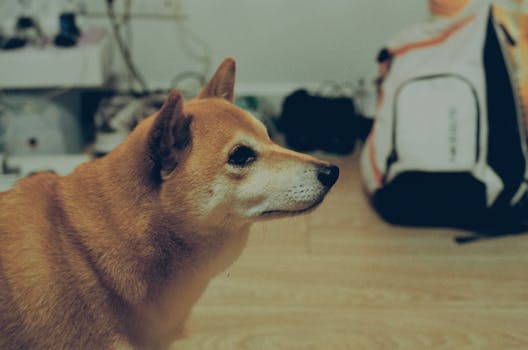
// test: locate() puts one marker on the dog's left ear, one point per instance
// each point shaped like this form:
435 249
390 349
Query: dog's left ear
222 84
170 136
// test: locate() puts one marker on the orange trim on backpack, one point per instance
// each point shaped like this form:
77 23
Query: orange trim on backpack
446 34
447 8
378 176
515 24
522 19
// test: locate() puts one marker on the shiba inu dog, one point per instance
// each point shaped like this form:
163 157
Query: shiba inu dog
115 254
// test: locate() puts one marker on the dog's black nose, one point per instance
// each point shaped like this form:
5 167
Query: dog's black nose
328 175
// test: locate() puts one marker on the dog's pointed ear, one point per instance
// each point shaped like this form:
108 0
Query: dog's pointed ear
170 136
222 84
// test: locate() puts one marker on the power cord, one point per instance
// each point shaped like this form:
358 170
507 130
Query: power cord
123 48
187 36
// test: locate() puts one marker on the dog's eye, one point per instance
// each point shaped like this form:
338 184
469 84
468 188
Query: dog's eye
242 156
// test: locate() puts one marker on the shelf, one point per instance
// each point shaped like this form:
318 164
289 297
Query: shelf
86 65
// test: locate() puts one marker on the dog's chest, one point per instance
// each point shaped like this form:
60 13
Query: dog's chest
164 317
193 278
225 252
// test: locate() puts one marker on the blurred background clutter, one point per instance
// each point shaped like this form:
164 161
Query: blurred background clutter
77 75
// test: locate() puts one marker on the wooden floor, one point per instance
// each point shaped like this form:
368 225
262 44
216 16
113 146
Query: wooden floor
340 278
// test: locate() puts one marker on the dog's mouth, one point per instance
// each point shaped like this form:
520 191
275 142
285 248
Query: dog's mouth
284 213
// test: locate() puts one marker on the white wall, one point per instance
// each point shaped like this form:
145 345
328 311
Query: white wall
278 42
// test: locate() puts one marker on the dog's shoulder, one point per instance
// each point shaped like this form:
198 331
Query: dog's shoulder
45 285
28 203
21 211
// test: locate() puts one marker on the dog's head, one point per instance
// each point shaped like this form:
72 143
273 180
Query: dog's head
216 164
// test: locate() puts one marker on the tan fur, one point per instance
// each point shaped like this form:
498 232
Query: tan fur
116 253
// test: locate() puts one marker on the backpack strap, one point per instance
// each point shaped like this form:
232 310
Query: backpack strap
436 40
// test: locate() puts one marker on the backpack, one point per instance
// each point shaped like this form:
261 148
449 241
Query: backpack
449 144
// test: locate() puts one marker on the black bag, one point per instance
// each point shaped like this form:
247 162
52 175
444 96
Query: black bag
312 122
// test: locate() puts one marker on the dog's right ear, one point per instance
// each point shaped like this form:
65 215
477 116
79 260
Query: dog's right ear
170 136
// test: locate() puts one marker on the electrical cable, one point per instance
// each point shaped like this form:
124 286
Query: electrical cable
188 39
125 53
126 20
185 35
188 75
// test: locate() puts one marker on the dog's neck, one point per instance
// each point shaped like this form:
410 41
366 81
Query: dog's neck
161 317
169 244
126 206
